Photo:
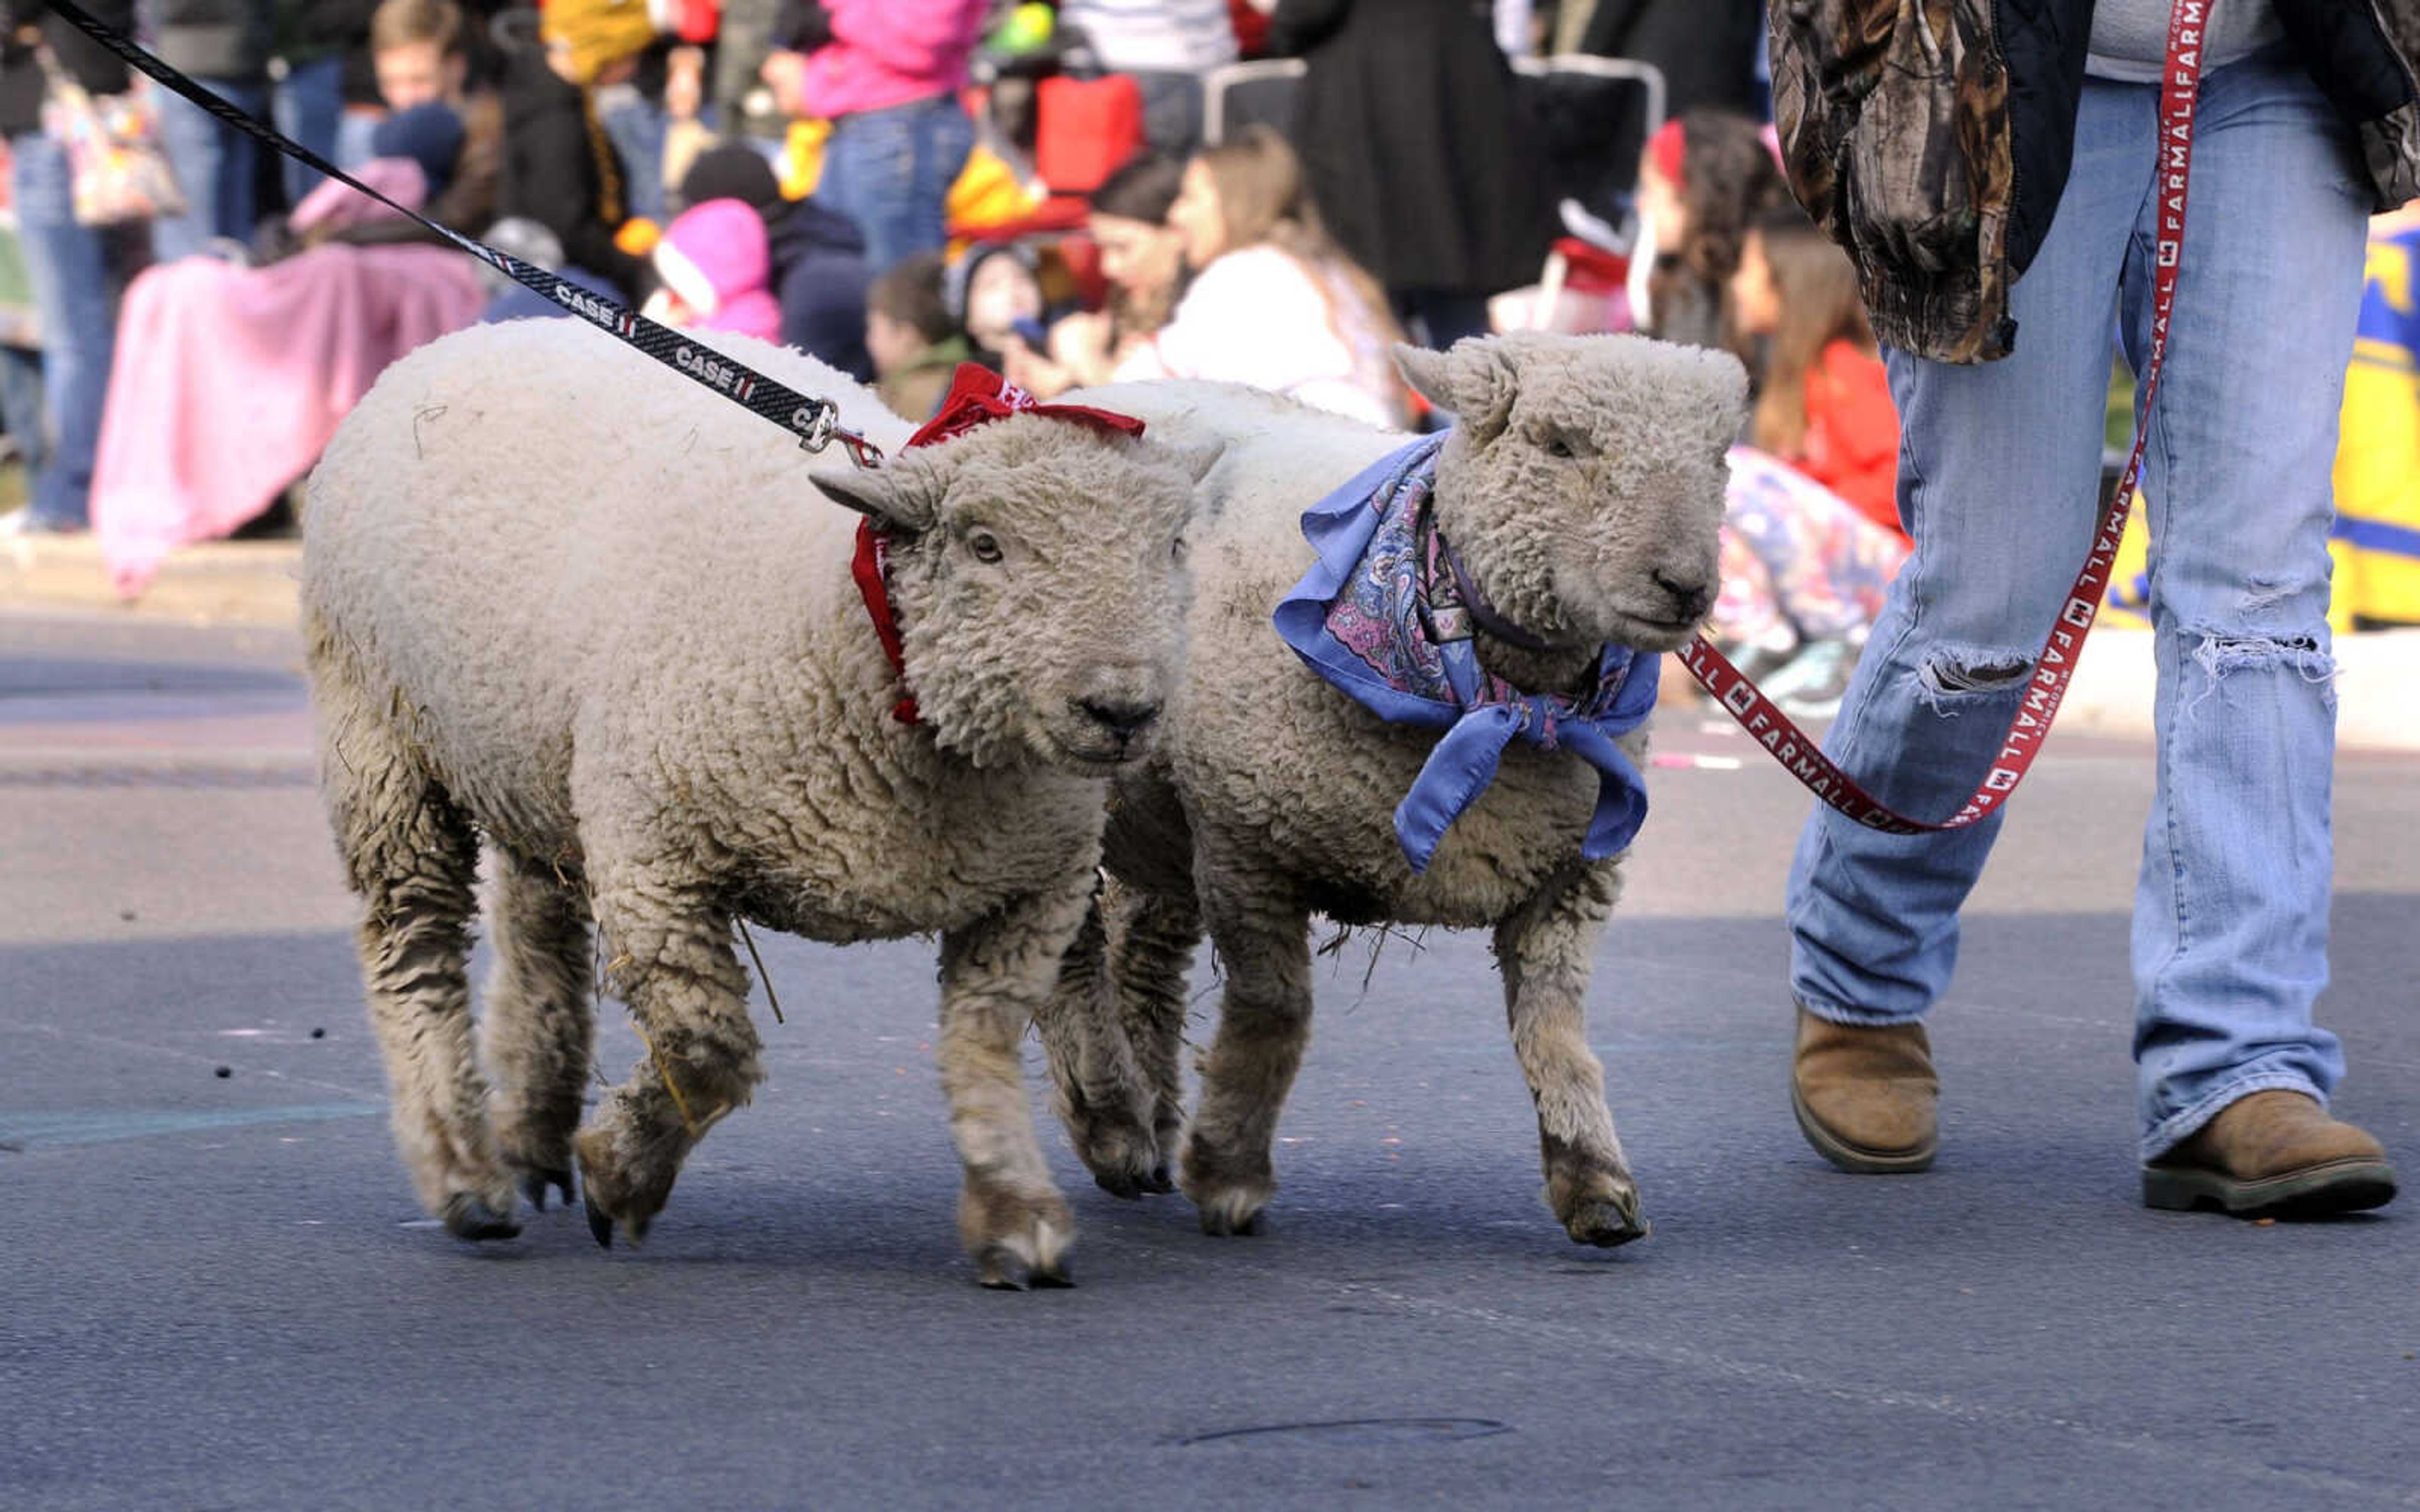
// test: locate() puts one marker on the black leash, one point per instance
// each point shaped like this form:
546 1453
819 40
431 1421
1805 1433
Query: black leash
814 421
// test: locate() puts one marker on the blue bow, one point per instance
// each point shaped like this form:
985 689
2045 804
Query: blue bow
1359 620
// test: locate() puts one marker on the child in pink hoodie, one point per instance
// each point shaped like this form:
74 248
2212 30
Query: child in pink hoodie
717 266
886 74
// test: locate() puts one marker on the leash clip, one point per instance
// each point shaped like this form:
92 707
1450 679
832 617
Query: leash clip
825 429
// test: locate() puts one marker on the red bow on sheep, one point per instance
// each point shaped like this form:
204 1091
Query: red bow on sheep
977 396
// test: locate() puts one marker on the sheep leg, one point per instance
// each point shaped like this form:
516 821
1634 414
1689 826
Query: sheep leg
1544 951
411 857
672 964
1096 1090
1152 941
1113 1028
537 1033
996 975
1262 940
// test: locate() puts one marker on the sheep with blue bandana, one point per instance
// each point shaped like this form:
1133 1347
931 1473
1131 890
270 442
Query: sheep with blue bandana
1419 678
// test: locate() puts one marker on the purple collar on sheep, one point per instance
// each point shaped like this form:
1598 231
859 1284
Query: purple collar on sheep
1378 617
977 396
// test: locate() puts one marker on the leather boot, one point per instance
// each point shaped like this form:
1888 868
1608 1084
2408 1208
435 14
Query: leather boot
2272 1154
1866 1097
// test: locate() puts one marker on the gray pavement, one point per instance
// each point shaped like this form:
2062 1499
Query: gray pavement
217 1292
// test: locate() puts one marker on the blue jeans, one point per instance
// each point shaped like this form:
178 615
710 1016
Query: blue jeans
76 271
1998 471
891 171
214 167
636 126
308 105
20 406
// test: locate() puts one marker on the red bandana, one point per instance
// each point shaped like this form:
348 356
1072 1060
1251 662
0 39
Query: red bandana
977 396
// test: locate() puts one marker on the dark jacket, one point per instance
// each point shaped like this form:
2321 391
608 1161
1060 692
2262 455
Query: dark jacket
1705 49
561 171
20 71
820 277
1411 142
1939 167
216 39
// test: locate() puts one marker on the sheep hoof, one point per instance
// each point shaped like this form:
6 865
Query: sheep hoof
1120 1153
534 1182
1605 1223
469 1217
999 1270
600 1226
1219 1224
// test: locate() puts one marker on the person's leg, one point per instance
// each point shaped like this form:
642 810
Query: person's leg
636 125
862 162
2231 915
69 266
1999 467
354 128
945 136
308 107
214 168
21 408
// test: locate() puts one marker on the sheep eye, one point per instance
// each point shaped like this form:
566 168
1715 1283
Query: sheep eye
1177 550
985 545
1559 449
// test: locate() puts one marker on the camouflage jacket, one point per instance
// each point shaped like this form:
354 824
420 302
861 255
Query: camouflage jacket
1932 137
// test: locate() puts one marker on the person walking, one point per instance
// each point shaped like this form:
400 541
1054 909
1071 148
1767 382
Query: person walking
1996 314
1416 155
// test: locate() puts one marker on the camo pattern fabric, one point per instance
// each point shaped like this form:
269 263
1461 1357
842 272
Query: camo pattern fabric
1896 128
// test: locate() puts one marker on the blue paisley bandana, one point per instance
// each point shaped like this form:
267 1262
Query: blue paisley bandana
1378 617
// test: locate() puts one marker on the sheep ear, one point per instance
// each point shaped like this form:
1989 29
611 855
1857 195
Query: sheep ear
887 495
1474 380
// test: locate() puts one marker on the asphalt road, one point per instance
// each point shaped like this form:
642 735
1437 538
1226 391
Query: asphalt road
218 1293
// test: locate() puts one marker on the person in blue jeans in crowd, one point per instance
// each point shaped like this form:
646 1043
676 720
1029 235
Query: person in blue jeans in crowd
886 73
312 40
224 45
1998 316
77 271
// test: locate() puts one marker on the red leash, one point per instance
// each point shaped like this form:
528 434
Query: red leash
1793 747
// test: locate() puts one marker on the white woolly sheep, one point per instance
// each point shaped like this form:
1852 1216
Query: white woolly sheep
559 600
1583 491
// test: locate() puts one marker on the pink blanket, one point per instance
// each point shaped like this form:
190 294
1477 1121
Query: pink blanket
228 381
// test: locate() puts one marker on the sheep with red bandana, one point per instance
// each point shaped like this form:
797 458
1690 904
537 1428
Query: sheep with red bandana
566 605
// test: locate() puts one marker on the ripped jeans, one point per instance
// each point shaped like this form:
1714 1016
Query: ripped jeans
1999 465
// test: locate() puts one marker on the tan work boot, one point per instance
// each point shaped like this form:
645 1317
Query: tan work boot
2272 1154
1866 1097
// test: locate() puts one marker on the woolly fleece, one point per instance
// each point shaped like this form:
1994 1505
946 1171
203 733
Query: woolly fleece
561 600
1584 489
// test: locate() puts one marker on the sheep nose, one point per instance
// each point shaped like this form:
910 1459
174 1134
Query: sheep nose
1123 717
1693 598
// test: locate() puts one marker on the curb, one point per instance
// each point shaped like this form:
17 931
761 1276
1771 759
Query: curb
2376 671
253 582
213 583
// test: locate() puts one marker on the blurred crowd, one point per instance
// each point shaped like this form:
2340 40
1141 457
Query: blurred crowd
1073 194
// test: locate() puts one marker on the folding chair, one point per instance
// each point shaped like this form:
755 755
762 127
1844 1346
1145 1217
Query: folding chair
1259 93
